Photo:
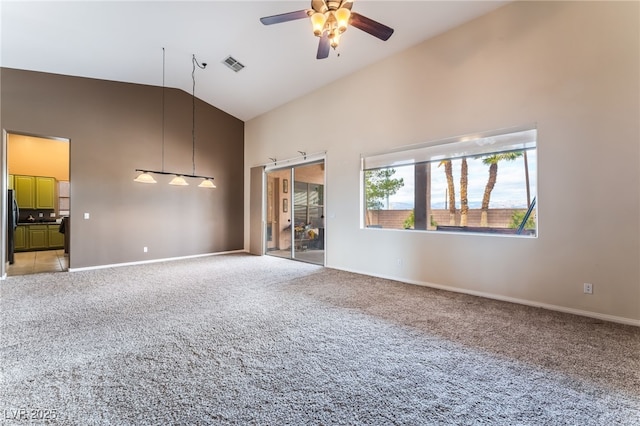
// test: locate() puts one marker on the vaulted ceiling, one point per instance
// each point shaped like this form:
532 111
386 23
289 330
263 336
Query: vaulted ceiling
123 41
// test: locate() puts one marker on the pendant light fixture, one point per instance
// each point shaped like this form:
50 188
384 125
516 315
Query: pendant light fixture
178 181
145 176
206 182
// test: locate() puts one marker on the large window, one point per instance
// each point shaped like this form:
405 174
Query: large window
483 184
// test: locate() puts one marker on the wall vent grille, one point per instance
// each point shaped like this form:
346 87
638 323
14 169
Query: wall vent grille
233 63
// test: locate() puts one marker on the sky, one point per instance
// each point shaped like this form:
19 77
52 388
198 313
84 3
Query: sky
509 191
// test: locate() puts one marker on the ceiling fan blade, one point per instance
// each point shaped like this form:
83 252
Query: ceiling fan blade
370 26
284 17
323 47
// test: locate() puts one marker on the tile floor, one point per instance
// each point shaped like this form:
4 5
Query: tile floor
35 262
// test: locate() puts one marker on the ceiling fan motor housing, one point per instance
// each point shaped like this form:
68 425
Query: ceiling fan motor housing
322 6
334 4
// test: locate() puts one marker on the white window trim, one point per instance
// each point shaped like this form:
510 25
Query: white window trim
513 139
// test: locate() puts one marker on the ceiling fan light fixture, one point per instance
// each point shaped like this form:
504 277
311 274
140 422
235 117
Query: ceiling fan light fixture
329 18
342 16
179 181
145 177
318 20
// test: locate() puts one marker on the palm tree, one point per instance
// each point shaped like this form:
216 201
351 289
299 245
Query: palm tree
492 161
526 177
464 199
448 171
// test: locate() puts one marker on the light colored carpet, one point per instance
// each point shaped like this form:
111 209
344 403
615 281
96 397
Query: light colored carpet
310 256
238 339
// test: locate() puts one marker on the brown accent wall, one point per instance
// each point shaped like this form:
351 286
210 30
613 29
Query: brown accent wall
115 128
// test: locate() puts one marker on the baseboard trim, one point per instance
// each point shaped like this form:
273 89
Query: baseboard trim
557 308
144 262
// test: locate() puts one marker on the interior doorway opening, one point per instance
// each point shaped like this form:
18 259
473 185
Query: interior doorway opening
38 204
295 213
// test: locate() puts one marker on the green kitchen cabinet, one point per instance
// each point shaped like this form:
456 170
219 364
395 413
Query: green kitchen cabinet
25 191
45 192
35 192
20 238
38 237
10 183
56 239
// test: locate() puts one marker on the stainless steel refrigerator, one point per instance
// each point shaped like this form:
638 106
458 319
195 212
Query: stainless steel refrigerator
13 217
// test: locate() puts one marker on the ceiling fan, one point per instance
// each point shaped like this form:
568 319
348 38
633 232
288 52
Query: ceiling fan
331 18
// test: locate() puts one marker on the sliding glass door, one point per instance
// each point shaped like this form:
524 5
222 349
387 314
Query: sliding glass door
295 226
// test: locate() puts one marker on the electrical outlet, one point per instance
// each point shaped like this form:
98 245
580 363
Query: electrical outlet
145 249
40 214
588 288
87 215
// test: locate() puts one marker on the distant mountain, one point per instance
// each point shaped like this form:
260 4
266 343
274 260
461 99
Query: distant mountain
401 206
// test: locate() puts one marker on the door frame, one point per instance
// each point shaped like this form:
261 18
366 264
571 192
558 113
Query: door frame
4 177
285 165
4 186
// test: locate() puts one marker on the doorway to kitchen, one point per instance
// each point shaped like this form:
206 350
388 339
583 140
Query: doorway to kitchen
38 198
294 216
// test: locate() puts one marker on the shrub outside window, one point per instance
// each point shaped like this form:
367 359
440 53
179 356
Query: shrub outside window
481 184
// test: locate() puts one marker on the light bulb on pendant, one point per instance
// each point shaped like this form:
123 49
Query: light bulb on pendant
179 181
207 183
145 177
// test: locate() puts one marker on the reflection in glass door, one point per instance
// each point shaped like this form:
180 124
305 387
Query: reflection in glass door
308 213
295 227
278 214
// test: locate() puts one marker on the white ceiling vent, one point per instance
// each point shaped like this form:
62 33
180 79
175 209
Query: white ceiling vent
233 63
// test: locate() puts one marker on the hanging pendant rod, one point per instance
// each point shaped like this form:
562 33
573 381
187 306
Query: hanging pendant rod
156 172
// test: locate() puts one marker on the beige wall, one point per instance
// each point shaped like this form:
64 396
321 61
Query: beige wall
571 68
115 128
33 156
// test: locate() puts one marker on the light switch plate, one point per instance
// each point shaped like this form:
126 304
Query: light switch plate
87 215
